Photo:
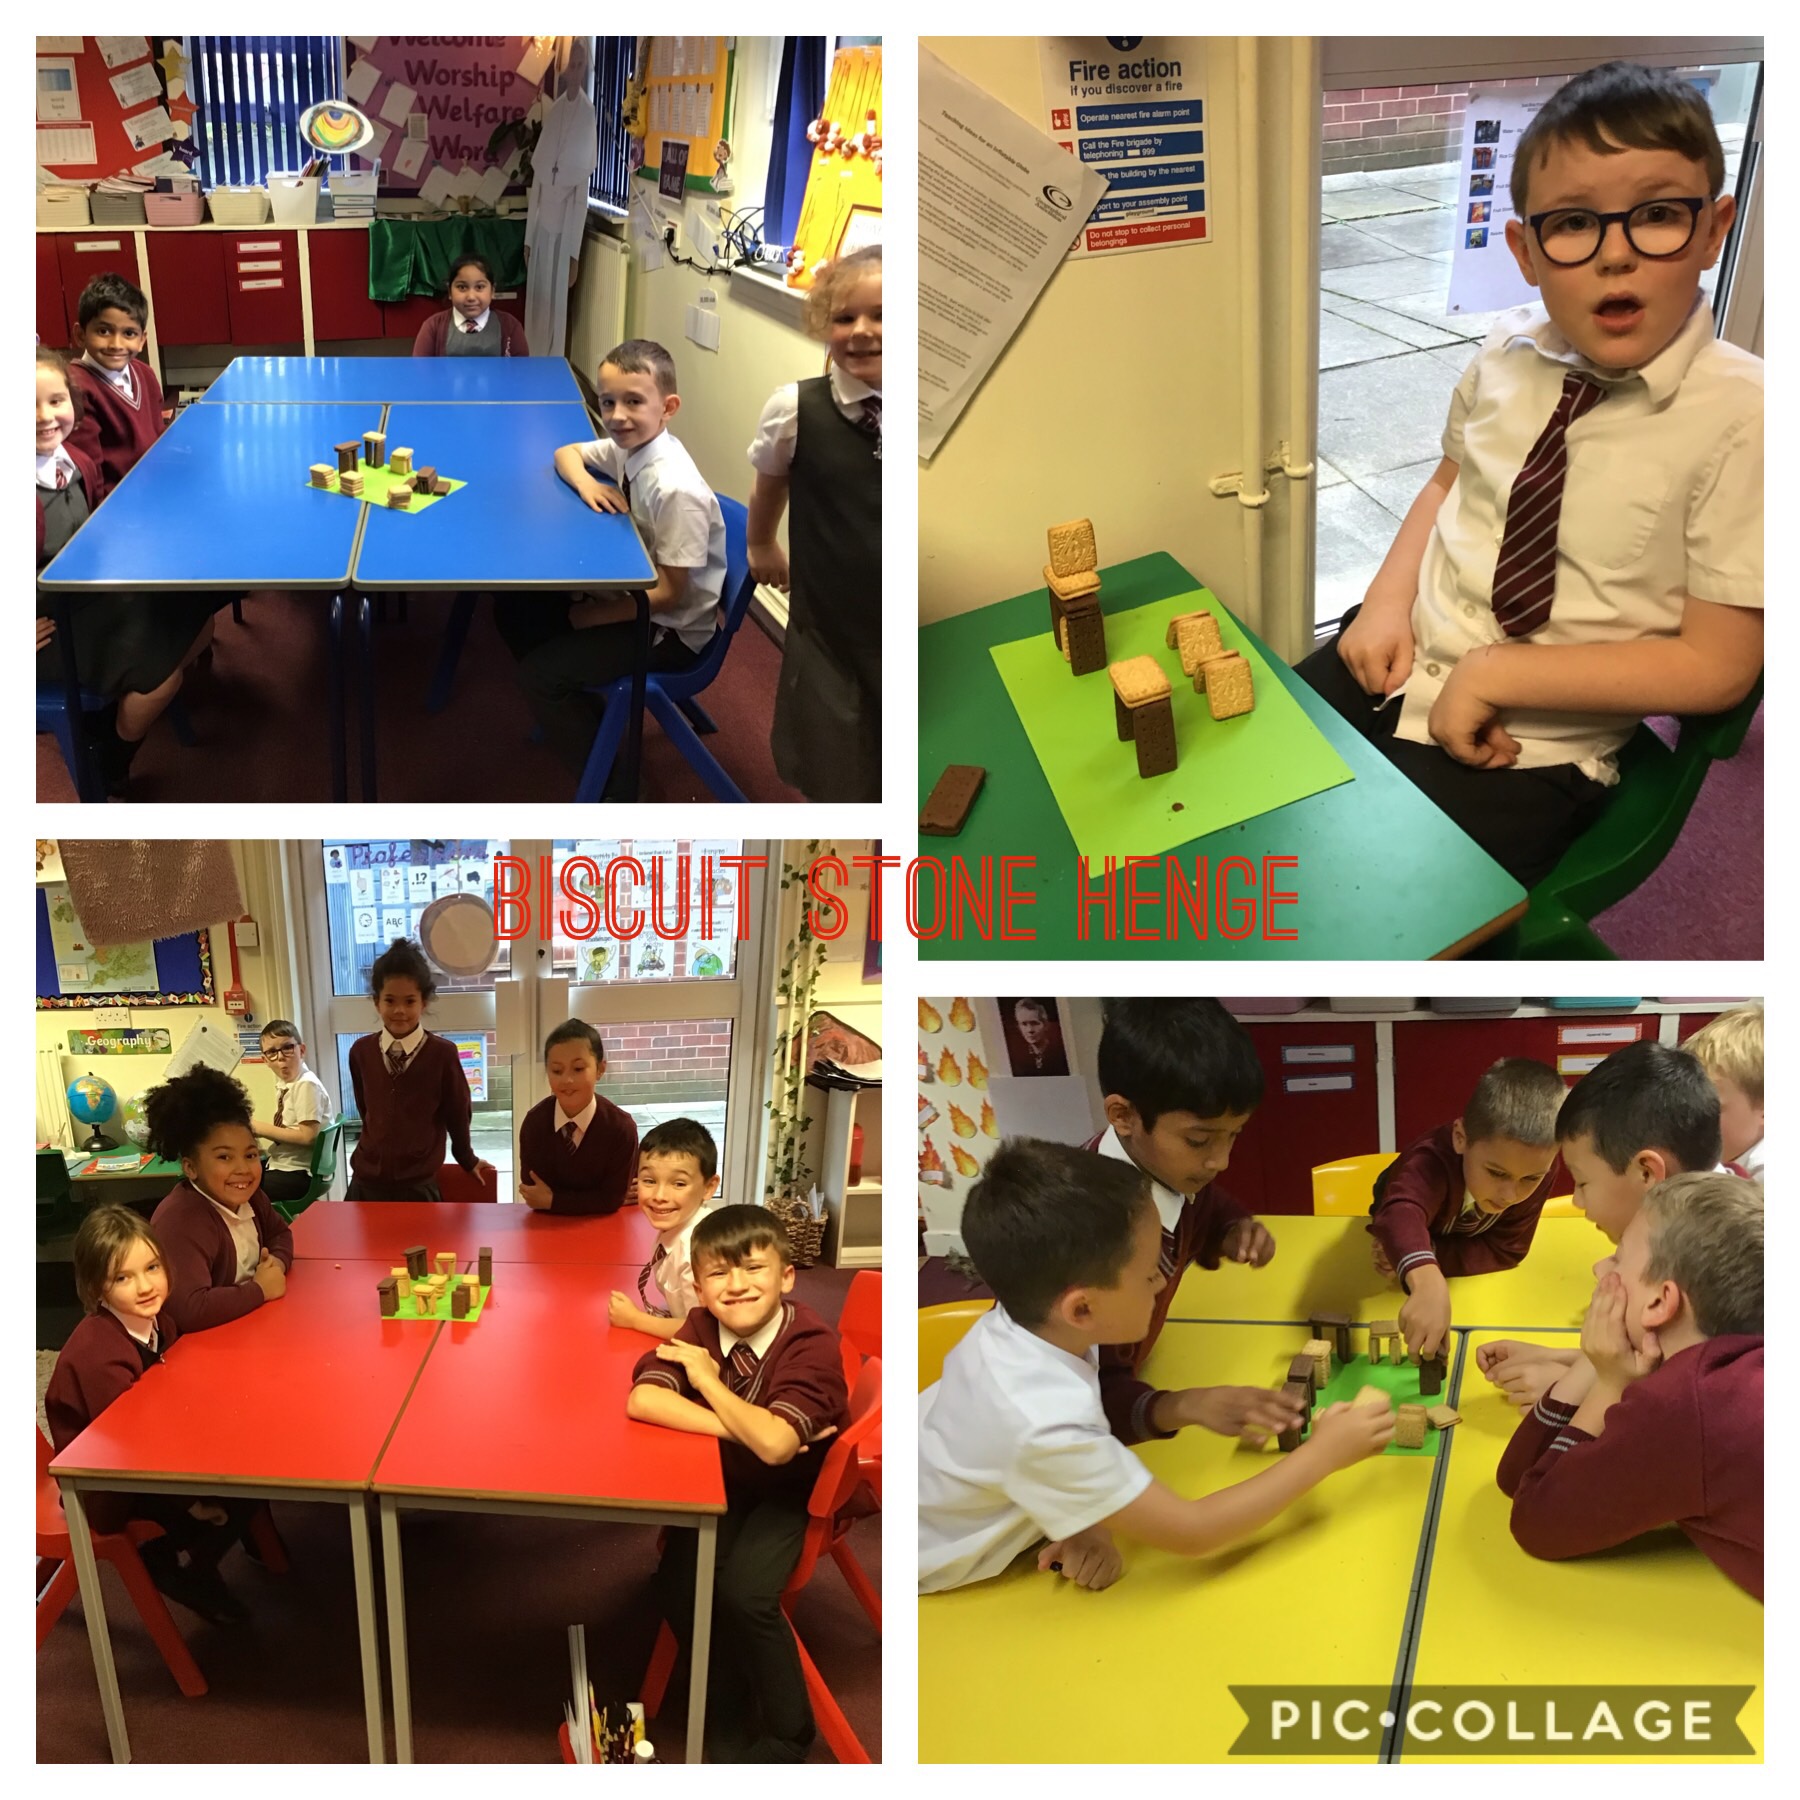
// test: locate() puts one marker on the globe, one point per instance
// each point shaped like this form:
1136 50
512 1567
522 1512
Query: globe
92 1102
137 1127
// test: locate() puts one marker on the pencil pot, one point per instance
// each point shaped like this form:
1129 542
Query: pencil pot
806 1235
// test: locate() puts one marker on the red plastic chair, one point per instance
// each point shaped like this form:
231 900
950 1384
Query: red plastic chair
455 1183
838 1479
859 1330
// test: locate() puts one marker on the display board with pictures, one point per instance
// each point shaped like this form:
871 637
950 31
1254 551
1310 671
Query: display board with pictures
684 889
378 889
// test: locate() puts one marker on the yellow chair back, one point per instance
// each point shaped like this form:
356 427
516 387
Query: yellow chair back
941 1329
1342 1190
1561 1206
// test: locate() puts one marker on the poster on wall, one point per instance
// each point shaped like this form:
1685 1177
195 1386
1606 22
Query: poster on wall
471 1052
1134 110
957 1127
458 89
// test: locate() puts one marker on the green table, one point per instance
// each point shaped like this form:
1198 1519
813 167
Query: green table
1382 873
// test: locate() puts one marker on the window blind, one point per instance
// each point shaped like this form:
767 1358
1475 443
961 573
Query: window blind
249 93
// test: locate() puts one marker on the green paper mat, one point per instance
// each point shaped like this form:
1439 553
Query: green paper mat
376 483
1230 770
409 1308
1401 1382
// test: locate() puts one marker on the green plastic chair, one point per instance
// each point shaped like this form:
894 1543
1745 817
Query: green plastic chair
55 1195
324 1168
1649 806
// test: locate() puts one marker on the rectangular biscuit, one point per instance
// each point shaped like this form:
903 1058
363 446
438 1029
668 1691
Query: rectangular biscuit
1070 587
1072 549
1198 641
1228 685
1138 680
947 809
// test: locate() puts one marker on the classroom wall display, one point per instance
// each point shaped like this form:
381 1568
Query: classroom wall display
71 972
687 83
112 105
841 209
957 1128
116 1042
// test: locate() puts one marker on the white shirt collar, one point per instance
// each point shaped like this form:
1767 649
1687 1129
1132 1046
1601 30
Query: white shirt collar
758 1340
120 378
1661 375
147 1336
581 1121
1168 1202
59 458
481 318
408 1044
847 390
645 454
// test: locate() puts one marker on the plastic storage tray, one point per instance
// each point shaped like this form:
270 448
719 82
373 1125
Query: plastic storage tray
1357 1004
1249 1008
239 206
1456 1003
119 209
174 209
67 207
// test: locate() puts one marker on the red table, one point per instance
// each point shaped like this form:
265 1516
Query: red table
504 1419
204 1423
339 1230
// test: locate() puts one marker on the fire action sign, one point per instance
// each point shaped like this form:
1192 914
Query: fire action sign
1134 111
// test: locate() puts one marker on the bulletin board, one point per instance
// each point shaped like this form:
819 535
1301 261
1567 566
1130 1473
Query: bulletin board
843 186
99 71
174 971
687 96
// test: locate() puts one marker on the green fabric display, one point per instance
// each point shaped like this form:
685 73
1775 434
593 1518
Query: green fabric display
410 257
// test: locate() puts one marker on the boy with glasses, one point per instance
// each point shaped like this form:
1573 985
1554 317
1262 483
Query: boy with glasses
1589 550
302 1110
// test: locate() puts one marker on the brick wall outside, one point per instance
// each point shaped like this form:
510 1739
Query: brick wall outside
1393 127
656 1064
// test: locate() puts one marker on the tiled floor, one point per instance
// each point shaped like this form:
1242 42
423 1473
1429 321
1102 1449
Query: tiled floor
1389 357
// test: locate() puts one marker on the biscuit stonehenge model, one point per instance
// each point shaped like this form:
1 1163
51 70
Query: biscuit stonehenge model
1143 713
1384 1340
1072 579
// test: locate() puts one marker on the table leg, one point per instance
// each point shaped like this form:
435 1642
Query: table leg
702 1644
93 1608
366 646
361 1563
396 1605
634 731
87 778
340 776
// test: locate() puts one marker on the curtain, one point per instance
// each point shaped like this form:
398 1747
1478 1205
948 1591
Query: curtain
800 97
613 57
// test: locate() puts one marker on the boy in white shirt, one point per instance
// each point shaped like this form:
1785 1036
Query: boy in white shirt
1730 1050
678 1175
1514 638
1014 1446
302 1110
565 651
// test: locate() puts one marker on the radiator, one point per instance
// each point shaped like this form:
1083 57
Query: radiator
54 1126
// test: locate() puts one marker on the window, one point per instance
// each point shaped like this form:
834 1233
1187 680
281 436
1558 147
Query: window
708 947
613 59
249 93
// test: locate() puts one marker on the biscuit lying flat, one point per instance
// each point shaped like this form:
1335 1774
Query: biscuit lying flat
1230 690
1138 680
1072 549
1443 1416
1071 587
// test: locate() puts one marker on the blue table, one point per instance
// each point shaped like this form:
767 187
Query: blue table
221 502
383 380
517 526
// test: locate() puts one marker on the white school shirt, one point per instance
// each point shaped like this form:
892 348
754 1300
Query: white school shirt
1751 1162
410 1044
152 1338
679 520
1014 1448
299 1102
123 379
1663 499
59 458
675 1279
772 449
458 323
759 1340
240 1221
581 1121
1168 1202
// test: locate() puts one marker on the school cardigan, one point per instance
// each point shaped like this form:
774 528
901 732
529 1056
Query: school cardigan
115 431
406 1116
800 1378
1684 1446
1199 1238
93 485
434 334
1417 1215
597 1174
202 1260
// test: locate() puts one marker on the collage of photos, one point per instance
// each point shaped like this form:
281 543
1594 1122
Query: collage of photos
470 866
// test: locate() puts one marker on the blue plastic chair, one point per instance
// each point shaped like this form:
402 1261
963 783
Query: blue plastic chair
672 698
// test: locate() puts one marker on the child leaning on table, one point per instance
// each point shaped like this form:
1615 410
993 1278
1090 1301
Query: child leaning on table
1014 1442
1730 1050
1181 1080
1465 1199
226 1248
1646 1113
678 1175
124 414
576 1149
1515 635
1662 1421
469 325
765 1376
302 1110
410 1089
565 650
818 443
123 1285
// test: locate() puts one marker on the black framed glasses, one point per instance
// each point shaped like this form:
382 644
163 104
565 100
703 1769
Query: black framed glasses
276 1051
1572 235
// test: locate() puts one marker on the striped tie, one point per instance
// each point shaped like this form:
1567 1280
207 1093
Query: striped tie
62 476
1166 1262
653 1268
396 1059
743 1368
1525 576
871 420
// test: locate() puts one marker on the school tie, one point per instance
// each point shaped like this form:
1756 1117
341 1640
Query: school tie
1167 1260
743 1368
567 1134
62 476
871 420
1525 576
653 1268
468 325
396 1059
280 1106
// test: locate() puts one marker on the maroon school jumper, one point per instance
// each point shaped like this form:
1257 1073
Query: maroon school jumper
1684 1446
1417 1215
434 334
406 1117
117 430
597 1174
800 1379
93 484
201 1257
1198 1238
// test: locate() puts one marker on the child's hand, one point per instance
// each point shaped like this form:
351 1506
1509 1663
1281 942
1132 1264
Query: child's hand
1520 1371
1606 1343
535 1193
1467 726
484 1169
1384 1264
1425 1312
270 1276
620 1311
1377 646
1090 1558
1247 1241
1344 1433
601 497
1252 1413
769 564
47 629
696 1364
207 1513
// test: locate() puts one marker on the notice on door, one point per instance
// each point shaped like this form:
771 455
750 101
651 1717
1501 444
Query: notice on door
999 205
1134 110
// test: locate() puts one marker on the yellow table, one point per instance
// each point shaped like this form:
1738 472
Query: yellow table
1323 1265
1027 1668
1654 1612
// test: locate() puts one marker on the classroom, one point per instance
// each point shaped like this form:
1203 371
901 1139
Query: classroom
1436 492
1445 1283
339 494
516 1204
